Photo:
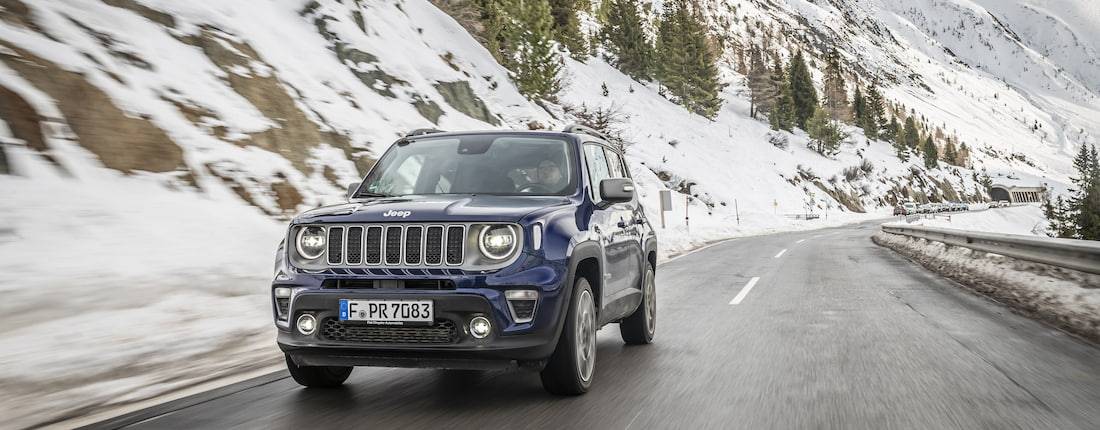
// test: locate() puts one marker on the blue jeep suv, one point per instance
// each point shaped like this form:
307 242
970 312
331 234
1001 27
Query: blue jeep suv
470 250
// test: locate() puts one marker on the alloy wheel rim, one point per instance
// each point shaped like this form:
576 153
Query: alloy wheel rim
586 336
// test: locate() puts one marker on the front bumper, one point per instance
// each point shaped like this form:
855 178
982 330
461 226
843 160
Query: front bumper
474 295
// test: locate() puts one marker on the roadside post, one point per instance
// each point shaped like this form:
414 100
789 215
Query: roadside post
737 211
666 205
687 205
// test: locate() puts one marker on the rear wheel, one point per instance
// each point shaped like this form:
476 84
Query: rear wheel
318 376
639 327
571 366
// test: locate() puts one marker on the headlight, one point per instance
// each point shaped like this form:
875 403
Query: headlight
311 242
497 241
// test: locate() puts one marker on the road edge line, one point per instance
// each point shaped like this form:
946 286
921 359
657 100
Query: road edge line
137 412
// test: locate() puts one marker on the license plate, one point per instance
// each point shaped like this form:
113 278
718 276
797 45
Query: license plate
389 312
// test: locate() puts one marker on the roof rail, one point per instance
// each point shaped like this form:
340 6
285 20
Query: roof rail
580 129
423 131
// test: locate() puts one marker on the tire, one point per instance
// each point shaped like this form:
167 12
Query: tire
573 363
639 327
318 376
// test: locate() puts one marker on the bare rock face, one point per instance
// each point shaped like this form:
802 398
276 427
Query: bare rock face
121 141
4 169
296 134
460 96
22 119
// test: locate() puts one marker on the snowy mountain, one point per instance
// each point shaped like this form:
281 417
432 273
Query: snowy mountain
1025 95
161 144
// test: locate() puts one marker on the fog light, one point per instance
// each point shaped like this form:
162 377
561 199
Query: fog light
307 324
282 292
480 327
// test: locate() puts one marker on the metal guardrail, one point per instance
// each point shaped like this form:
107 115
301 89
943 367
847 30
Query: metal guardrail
805 216
1083 255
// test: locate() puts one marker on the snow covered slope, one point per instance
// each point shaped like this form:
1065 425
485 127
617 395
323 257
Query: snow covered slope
1024 94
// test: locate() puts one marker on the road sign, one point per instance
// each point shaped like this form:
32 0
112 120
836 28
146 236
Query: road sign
666 204
666 200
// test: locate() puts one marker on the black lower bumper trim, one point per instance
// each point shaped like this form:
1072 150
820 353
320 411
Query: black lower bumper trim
408 362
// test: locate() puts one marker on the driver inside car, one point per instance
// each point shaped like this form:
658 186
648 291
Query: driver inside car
548 177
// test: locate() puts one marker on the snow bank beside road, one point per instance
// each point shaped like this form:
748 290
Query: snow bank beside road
1065 298
127 293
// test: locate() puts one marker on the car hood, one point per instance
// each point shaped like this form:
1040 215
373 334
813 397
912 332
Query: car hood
441 208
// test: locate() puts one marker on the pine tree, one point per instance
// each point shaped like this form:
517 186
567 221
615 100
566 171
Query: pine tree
567 29
782 117
825 134
688 66
500 31
949 154
539 63
1083 164
910 134
890 132
1084 204
931 154
626 37
857 103
1089 228
835 91
901 150
874 112
763 90
1059 224
802 90
519 34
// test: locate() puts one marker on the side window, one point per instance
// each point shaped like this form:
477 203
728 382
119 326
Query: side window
616 163
597 168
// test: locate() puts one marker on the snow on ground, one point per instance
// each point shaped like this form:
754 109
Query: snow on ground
1026 220
1065 298
126 293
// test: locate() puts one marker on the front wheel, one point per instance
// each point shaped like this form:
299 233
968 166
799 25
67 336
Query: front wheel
318 376
639 327
570 369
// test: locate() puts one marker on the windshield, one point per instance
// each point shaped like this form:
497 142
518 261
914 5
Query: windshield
485 164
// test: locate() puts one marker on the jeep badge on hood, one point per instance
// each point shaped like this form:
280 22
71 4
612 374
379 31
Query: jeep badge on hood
393 213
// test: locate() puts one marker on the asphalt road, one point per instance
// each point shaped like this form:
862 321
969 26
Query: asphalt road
835 333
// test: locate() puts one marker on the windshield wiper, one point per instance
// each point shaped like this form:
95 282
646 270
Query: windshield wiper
369 194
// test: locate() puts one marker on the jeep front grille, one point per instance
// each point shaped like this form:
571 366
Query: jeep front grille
396 245
355 245
335 245
456 236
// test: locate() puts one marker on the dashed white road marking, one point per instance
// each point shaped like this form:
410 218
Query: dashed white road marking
744 291
780 254
801 240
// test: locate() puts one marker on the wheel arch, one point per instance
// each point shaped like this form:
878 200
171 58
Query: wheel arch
650 249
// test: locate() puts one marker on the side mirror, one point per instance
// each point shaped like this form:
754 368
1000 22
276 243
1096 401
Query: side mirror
352 187
617 190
